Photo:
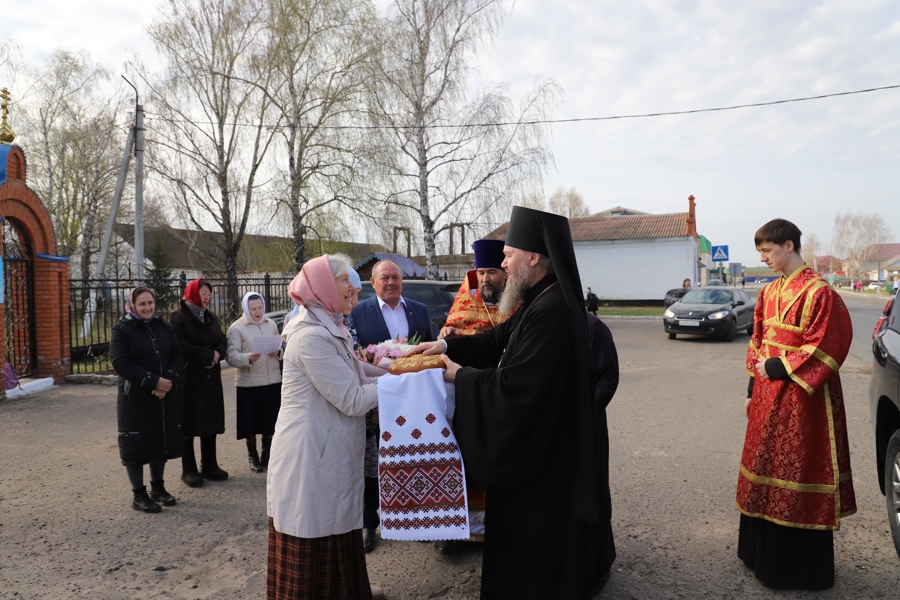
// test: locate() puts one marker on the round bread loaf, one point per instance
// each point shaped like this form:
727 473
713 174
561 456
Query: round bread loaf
416 363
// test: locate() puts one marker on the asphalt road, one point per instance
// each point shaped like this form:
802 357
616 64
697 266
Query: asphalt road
676 431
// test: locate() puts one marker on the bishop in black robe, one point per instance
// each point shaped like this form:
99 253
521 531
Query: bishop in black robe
530 420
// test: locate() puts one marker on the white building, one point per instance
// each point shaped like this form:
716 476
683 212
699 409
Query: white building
636 256
624 254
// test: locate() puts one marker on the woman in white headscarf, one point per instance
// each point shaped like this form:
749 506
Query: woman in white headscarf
257 378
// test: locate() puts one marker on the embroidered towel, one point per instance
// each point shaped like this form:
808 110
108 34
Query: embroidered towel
420 471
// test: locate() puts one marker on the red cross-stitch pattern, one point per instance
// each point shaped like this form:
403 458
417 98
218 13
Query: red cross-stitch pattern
416 433
386 436
445 432
424 522
431 418
414 449
400 421
425 483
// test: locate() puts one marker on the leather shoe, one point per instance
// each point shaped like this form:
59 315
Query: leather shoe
369 539
192 479
377 593
443 546
159 494
143 503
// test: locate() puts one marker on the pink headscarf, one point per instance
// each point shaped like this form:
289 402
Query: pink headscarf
315 286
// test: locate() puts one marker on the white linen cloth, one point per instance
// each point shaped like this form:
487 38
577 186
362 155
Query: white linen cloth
421 479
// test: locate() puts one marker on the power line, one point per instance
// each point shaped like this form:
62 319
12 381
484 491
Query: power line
572 120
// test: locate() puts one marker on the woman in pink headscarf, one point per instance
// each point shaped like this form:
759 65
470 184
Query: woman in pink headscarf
315 480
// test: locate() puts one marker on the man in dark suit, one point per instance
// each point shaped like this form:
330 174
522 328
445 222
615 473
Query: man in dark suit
388 315
385 316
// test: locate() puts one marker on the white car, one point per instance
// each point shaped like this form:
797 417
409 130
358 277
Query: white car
875 285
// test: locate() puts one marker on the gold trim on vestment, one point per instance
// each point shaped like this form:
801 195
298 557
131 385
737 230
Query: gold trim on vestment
834 459
796 379
836 526
816 488
822 356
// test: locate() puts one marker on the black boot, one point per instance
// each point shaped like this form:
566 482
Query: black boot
253 456
189 474
159 494
142 501
209 468
266 446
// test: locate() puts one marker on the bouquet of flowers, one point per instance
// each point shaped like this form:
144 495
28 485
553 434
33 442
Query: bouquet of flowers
383 354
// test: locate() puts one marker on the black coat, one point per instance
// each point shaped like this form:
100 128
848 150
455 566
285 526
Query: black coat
202 399
516 426
142 353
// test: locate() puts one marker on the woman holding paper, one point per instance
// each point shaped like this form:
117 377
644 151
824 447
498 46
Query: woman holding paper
315 480
257 377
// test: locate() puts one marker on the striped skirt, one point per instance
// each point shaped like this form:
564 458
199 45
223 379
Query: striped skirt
321 568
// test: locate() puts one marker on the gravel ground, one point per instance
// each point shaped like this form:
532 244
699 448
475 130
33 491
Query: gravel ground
67 529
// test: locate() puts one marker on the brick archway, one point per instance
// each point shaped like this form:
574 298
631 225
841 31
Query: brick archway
49 276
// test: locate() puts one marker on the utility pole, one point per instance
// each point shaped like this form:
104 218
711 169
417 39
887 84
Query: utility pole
135 144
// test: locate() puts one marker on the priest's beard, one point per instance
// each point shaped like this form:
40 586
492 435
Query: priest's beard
516 286
490 294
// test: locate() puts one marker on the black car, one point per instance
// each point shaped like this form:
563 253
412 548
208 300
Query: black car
436 295
884 399
674 295
717 312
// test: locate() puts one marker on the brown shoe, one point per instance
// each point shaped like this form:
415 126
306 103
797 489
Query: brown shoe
377 594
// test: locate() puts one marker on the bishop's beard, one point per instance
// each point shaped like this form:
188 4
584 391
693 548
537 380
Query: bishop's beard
516 287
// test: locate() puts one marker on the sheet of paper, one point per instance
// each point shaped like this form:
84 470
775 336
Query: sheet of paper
264 344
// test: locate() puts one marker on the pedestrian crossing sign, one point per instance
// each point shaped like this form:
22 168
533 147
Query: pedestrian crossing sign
720 253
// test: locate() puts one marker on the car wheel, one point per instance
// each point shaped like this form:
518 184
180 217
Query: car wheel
732 331
671 336
892 487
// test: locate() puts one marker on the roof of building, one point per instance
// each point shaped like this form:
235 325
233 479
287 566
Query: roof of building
626 227
200 250
886 252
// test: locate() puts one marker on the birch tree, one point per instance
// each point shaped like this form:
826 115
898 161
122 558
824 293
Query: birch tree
74 126
209 129
857 237
320 50
455 158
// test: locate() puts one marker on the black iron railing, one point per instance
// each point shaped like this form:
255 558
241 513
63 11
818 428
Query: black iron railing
96 304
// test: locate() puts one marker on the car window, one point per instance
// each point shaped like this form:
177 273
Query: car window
742 295
894 316
707 297
426 294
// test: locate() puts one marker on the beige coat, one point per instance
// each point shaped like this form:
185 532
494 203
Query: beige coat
315 478
264 371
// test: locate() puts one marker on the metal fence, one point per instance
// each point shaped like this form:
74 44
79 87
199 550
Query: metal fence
96 304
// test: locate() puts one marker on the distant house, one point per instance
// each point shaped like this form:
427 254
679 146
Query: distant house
624 254
883 264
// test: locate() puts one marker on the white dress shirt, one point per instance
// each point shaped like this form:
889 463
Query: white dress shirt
395 318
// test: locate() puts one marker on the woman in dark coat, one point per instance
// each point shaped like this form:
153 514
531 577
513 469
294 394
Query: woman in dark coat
148 360
202 402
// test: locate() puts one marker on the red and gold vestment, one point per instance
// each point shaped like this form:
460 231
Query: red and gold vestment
469 314
795 467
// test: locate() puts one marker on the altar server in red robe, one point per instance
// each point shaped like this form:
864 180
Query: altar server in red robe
794 485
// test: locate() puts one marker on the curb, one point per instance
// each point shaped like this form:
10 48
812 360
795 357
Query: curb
92 378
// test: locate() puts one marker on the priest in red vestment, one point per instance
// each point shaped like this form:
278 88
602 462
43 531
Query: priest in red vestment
794 485
475 308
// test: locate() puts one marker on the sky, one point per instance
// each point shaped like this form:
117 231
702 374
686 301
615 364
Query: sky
803 161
